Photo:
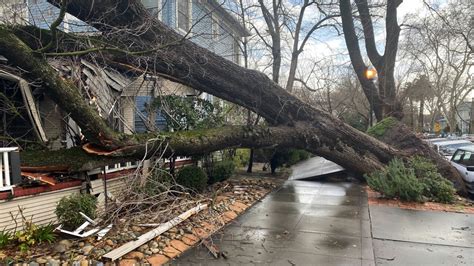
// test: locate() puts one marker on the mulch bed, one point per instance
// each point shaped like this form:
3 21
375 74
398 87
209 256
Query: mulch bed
461 205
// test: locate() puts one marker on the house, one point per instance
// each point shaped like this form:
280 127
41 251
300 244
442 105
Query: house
119 98
463 116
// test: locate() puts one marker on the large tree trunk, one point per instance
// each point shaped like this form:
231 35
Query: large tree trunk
384 100
314 130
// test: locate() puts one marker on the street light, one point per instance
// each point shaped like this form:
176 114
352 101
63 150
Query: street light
371 74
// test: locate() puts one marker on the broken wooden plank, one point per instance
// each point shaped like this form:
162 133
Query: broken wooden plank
43 178
45 169
130 246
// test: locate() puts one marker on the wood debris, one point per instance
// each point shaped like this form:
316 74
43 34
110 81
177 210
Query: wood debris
43 178
130 246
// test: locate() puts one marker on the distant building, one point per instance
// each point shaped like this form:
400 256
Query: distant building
463 116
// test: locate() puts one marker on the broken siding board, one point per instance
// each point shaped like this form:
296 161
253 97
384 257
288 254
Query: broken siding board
32 110
114 85
29 103
103 99
104 76
118 78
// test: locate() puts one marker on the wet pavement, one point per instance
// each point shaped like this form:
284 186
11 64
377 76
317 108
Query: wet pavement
330 223
410 237
303 223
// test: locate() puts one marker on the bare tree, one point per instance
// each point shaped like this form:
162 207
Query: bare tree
301 34
383 99
290 26
446 59
457 18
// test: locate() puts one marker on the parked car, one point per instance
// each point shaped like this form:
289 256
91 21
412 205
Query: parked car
433 141
448 147
463 161
469 137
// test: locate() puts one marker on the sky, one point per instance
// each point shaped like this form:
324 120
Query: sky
326 44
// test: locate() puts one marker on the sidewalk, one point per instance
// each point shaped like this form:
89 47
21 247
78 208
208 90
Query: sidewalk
303 223
410 237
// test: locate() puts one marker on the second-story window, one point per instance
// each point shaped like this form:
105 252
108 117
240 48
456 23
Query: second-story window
216 29
183 15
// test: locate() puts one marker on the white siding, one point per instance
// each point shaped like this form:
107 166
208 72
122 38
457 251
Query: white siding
114 186
41 207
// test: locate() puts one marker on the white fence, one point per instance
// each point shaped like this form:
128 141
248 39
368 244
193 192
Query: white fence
5 171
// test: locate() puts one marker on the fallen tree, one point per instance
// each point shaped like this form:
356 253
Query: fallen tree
294 122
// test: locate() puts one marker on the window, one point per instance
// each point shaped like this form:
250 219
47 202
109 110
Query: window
457 156
183 15
468 159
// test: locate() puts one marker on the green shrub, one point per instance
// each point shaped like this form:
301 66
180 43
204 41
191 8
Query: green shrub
220 171
304 155
436 187
33 234
192 177
397 181
241 157
68 209
379 129
416 180
5 238
295 156
44 233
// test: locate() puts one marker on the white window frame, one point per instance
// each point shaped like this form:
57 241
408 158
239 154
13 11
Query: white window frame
159 7
190 18
216 27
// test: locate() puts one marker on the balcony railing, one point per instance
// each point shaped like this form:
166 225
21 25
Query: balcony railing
9 168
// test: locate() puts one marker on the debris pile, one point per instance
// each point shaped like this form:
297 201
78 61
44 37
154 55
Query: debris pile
156 240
